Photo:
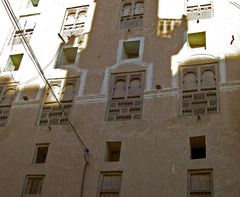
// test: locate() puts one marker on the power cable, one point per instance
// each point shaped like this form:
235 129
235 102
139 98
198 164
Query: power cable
16 25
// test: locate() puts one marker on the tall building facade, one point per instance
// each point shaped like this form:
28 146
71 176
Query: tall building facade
130 98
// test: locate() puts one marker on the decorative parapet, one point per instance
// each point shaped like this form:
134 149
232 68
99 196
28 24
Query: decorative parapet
166 26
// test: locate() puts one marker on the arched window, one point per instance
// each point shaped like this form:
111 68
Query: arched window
127 9
134 89
68 92
190 81
8 97
131 14
208 79
199 89
56 90
70 18
81 16
119 89
139 8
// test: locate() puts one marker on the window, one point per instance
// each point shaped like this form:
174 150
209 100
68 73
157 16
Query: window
201 11
32 3
200 183
14 62
33 185
40 154
74 22
52 113
131 49
27 25
198 147
110 184
113 151
125 96
199 93
67 56
7 95
197 40
131 14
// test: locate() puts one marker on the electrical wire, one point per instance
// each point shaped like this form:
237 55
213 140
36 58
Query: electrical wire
14 20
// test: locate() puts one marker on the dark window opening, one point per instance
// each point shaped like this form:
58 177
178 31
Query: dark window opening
113 151
198 147
41 153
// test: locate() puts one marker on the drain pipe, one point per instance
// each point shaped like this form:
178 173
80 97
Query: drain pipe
86 152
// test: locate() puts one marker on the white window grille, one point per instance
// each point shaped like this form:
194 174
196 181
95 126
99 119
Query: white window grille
52 113
132 12
199 89
110 184
7 95
74 22
200 183
27 26
125 96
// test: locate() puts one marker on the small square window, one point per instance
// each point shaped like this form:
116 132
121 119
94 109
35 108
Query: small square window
113 151
199 89
67 56
131 49
70 55
7 95
13 62
41 153
33 185
198 147
197 40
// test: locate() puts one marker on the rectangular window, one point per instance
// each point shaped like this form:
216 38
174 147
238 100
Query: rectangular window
198 147
40 154
64 90
27 26
110 184
131 15
199 89
197 40
7 95
200 11
14 62
113 151
200 183
74 22
125 98
33 185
